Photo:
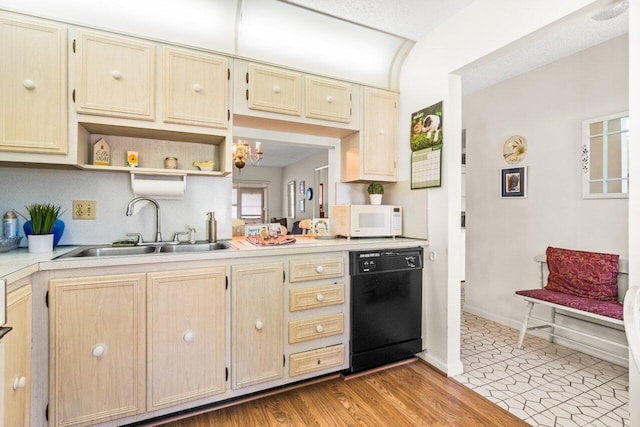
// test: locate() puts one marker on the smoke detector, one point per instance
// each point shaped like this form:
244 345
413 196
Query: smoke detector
613 11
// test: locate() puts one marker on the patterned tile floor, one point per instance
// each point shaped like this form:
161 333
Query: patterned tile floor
544 384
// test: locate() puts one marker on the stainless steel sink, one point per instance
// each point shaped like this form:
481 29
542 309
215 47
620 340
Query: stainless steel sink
194 247
104 250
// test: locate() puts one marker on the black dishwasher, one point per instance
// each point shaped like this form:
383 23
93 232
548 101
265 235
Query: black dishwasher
386 306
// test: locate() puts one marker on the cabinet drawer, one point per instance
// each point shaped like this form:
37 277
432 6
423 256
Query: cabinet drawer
315 327
316 360
316 296
305 270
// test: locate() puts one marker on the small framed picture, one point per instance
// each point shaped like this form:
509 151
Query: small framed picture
513 182
301 187
301 205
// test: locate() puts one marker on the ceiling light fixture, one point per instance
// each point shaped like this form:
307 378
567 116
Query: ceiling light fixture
241 151
610 13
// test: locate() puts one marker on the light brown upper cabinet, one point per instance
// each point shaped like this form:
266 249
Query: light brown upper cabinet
371 154
114 76
327 99
274 89
33 104
195 88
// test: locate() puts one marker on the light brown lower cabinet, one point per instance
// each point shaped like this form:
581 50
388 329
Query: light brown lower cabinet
185 336
97 348
132 343
16 347
257 323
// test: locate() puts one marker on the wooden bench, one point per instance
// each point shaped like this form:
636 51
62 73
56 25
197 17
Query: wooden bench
570 303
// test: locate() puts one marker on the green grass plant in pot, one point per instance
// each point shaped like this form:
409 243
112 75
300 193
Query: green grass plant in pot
42 218
375 190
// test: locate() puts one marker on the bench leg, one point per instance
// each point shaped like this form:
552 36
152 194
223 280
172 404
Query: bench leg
523 329
553 320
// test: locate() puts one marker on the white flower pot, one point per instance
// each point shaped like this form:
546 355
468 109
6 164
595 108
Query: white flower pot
375 199
40 243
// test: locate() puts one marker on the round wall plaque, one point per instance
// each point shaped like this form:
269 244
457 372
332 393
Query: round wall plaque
514 149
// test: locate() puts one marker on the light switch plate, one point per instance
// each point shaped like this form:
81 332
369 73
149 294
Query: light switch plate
84 209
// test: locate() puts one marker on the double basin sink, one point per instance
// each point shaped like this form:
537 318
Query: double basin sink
108 250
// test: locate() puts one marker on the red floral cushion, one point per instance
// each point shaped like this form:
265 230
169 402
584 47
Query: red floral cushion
603 308
584 274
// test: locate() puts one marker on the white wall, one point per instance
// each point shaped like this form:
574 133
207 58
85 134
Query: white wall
304 171
547 107
634 192
112 192
426 79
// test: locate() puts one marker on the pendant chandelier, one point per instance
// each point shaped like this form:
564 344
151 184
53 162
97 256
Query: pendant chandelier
242 151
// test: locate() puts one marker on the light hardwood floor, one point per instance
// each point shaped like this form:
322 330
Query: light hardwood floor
411 394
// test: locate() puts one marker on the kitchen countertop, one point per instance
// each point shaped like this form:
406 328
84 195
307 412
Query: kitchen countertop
19 263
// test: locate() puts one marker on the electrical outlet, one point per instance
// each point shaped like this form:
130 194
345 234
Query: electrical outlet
84 209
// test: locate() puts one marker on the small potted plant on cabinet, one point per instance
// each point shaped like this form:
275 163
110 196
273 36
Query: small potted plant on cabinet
375 190
43 217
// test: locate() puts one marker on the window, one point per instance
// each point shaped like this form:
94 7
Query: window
605 157
249 201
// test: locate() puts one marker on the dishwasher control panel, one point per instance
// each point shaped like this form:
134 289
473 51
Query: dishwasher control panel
364 262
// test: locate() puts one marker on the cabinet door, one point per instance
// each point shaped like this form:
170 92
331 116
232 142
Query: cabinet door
275 90
33 104
257 323
114 76
195 88
379 139
328 100
186 335
17 359
97 348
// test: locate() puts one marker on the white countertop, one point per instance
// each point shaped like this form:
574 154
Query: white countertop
19 263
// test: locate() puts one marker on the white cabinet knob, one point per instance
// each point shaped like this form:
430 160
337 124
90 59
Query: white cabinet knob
381 131
29 84
329 99
197 87
259 325
188 336
319 269
319 329
116 74
19 383
98 350
319 297
276 89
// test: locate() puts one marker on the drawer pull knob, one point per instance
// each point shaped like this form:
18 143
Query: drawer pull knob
98 350
259 325
319 329
19 382
116 74
29 84
276 89
319 269
329 99
197 87
319 297
188 336
381 131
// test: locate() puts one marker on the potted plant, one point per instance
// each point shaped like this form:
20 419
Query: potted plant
42 218
375 190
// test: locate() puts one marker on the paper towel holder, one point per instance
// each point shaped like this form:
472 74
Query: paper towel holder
158 185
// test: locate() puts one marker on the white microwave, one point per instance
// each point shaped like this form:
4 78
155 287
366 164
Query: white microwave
367 220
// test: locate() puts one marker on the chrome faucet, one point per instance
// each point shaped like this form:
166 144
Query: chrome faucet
130 212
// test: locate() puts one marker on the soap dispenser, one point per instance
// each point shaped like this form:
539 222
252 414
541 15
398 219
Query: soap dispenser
212 227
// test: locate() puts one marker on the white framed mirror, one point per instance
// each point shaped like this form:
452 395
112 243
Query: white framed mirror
605 157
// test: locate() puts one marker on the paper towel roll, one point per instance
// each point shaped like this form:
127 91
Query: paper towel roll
159 187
